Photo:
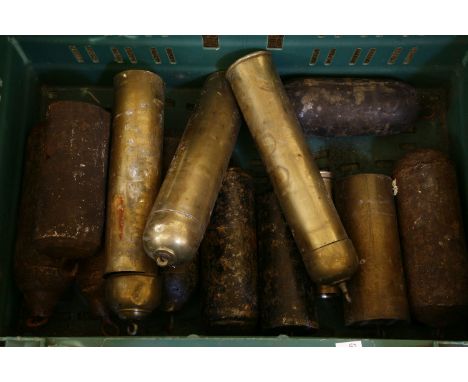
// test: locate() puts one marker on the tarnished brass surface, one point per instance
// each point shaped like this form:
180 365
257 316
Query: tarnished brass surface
328 291
377 290
134 178
326 250
133 296
182 209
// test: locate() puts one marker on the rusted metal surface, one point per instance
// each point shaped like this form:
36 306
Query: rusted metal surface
229 259
41 279
286 292
335 107
132 280
91 283
367 209
326 250
69 219
182 210
431 229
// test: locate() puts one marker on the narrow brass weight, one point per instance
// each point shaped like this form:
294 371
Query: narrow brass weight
182 210
366 205
326 250
328 291
133 287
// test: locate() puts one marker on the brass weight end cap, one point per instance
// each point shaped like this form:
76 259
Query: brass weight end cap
142 79
247 57
133 296
333 263
172 237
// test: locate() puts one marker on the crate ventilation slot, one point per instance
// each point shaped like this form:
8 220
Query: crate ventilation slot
394 57
314 57
355 56
171 55
117 56
210 42
155 55
369 56
76 53
92 54
131 55
275 42
409 57
330 56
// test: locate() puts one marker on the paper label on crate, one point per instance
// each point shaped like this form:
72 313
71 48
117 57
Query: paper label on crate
350 344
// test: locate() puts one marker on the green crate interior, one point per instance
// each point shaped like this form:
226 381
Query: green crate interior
37 70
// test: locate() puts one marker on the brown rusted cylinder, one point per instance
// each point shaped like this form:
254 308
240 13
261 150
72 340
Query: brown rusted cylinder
367 209
178 281
286 292
133 287
41 279
91 283
335 107
69 220
182 209
229 259
431 229
327 252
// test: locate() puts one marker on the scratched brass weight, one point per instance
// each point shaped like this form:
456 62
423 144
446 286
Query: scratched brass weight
328 291
377 290
133 287
327 252
182 210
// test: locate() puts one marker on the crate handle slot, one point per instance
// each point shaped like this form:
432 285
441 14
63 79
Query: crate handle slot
76 54
369 56
171 55
409 57
117 56
275 42
314 57
394 57
131 55
330 56
92 54
210 41
355 57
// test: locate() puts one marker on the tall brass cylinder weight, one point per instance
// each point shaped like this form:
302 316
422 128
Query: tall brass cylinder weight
178 281
378 294
133 287
327 252
431 229
328 291
182 210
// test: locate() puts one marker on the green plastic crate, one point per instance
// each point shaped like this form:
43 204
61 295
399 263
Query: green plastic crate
36 70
